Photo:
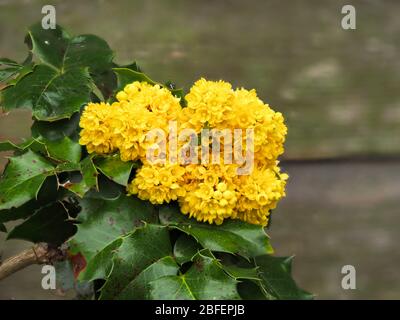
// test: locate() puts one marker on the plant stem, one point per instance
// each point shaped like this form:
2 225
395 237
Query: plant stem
38 254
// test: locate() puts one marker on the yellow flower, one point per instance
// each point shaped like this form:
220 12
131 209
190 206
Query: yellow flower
208 102
96 133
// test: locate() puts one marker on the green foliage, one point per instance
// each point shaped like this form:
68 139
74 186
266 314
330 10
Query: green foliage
50 94
23 178
60 194
205 279
235 237
115 169
48 224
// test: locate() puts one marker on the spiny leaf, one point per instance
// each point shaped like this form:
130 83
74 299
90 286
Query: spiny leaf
22 179
48 193
138 250
185 248
138 288
88 178
32 144
8 146
61 85
50 94
132 66
64 149
7 73
126 76
87 51
102 221
49 45
114 168
250 290
235 237
58 49
48 224
276 279
205 280
107 190
241 273
100 265
8 62
106 82
57 130
12 71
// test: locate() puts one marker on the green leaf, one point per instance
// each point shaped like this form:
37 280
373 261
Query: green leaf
32 144
106 82
22 179
114 168
88 180
35 146
63 52
132 66
107 190
87 51
48 193
50 94
138 288
205 280
102 221
99 266
126 76
12 71
49 45
7 73
21 212
250 290
48 224
57 130
9 146
241 273
232 236
58 49
68 167
63 150
11 75
3 228
139 250
22 72
276 279
8 62
185 248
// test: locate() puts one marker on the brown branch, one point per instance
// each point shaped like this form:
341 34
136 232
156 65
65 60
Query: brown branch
38 254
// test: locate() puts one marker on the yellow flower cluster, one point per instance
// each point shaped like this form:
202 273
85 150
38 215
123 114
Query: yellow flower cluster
124 124
209 192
